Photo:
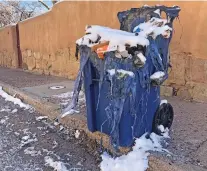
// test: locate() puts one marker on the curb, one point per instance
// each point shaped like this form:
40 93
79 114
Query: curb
79 122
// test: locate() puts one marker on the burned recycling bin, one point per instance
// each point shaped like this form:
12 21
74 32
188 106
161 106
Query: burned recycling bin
122 71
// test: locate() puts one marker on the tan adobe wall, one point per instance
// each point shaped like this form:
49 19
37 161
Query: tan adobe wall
8 47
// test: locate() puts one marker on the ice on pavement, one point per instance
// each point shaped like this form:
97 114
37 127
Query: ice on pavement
137 159
16 101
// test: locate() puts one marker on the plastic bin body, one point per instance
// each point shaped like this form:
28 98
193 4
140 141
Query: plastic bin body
147 99
130 126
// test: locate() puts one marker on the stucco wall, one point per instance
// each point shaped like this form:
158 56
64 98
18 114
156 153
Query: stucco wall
8 47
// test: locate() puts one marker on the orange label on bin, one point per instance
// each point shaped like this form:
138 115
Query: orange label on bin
101 50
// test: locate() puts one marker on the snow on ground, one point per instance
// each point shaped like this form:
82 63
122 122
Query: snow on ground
27 140
70 112
56 87
137 159
31 151
16 101
5 110
14 110
39 118
65 99
56 165
3 121
77 134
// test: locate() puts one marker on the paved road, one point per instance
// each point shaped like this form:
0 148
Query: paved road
27 144
188 141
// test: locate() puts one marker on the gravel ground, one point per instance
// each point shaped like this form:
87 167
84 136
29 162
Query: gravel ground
26 144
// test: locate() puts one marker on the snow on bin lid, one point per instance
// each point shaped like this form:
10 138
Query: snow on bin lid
153 28
118 39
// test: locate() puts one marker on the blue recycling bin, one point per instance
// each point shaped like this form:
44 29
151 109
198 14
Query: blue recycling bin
125 106
147 100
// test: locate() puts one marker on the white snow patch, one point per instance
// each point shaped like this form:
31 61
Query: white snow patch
66 98
157 75
3 121
26 131
117 38
137 159
163 102
61 128
157 11
16 133
51 153
39 118
56 87
56 165
77 134
55 144
165 133
64 95
5 110
141 57
153 28
161 128
14 111
17 101
26 140
124 72
70 112
31 151
56 123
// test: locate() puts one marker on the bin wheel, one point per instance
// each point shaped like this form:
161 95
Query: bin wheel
163 116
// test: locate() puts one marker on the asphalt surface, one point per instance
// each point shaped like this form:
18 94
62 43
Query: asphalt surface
19 78
28 144
188 143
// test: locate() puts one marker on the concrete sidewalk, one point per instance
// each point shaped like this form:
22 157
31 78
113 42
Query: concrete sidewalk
189 130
